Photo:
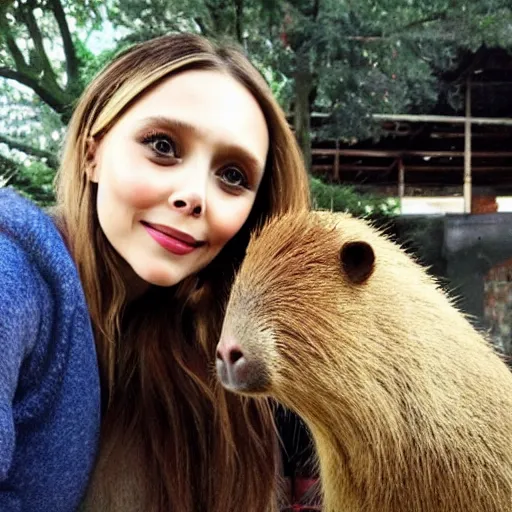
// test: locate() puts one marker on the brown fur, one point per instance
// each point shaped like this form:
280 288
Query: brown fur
409 407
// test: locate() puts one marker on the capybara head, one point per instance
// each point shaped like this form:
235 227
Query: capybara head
321 296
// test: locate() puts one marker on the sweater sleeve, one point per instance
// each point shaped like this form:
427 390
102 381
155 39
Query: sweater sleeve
19 323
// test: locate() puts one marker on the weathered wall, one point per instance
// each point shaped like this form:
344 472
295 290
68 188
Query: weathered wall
472 256
498 305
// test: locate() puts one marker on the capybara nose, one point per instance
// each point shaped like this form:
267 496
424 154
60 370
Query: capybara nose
241 369
229 353
232 365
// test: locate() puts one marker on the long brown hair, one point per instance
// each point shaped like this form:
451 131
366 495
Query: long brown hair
200 448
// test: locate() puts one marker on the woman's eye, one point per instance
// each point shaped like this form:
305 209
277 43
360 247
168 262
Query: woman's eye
234 177
161 144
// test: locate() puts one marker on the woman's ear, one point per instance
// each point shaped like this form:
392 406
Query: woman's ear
91 152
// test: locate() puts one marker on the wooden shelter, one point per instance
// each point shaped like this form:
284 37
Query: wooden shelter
467 152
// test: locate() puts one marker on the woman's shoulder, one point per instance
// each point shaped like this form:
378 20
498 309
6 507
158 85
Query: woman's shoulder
21 225
15 244
20 216
35 234
34 258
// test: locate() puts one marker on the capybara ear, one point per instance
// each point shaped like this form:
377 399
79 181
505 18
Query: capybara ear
357 261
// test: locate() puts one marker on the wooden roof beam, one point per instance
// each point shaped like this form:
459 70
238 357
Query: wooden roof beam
410 168
384 153
503 121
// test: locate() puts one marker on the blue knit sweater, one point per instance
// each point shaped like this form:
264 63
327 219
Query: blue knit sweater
49 384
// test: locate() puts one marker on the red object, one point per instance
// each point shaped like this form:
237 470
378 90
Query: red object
299 487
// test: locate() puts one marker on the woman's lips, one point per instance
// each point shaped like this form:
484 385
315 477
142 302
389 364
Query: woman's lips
172 240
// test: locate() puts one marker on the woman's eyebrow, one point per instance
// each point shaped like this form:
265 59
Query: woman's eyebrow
172 124
168 123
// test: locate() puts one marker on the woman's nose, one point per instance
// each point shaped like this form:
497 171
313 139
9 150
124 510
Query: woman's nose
188 202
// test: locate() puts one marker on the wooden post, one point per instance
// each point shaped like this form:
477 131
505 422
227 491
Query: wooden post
337 163
467 150
401 183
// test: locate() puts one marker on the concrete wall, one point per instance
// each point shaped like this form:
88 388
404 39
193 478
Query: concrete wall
498 305
472 257
473 245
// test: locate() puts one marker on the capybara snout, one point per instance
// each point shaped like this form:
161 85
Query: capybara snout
239 369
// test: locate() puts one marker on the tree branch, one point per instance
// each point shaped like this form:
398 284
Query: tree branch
30 150
366 39
316 9
37 38
29 81
69 47
202 27
437 16
13 48
8 169
239 14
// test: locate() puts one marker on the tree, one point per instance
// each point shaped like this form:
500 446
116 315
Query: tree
351 59
44 65
26 28
341 58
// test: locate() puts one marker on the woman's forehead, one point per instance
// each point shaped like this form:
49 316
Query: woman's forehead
210 103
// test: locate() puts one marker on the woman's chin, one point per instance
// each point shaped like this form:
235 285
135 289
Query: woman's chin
160 276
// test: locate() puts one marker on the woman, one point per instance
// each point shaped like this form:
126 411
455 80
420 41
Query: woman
175 152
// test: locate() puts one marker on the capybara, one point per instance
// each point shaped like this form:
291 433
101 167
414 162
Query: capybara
409 406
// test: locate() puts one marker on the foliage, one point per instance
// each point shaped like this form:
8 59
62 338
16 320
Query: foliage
7 169
343 58
385 56
34 181
339 198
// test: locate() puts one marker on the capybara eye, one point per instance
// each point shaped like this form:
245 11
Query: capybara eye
357 261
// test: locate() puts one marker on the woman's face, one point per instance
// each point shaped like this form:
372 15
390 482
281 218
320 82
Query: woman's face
178 174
